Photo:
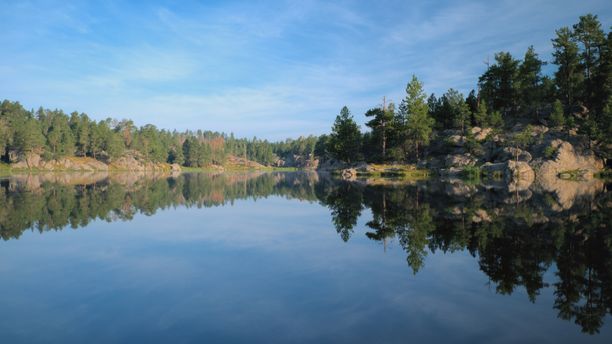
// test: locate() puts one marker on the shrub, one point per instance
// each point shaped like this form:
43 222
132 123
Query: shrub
549 152
471 173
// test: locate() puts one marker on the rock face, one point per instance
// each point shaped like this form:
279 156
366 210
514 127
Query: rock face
349 174
566 159
460 160
516 175
242 163
456 140
28 160
480 134
299 161
33 161
481 215
511 153
129 162
582 164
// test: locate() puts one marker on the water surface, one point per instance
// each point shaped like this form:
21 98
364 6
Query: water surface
298 257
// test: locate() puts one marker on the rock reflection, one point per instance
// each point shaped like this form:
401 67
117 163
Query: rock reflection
515 235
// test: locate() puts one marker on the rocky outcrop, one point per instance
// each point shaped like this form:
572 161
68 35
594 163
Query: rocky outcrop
480 134
457 188
33 161
128 162
299 161
456 140
512 153
567 158
133 163
516 175
460 160
579 164
234 162
349 174
481 215
27 160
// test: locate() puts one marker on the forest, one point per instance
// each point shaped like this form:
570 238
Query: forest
578 96
54 134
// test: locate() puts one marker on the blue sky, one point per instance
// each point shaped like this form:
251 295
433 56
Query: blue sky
273 69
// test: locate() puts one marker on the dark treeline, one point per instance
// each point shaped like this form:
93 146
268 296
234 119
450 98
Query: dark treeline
510 91
515 238
54 134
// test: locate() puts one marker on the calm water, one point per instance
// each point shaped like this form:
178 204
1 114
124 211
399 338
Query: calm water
292 257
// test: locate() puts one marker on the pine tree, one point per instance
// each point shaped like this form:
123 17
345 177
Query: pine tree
481 116
419 123
568 77
557 117
530 81
382 126
499 84
345 139
591 37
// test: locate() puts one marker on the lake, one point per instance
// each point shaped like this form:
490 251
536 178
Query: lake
300 257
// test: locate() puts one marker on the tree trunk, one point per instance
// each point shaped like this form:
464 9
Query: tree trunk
384 141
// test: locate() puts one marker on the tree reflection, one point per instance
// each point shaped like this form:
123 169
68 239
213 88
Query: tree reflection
515 244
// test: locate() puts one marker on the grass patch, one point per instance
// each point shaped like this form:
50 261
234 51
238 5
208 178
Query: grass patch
549 152
492 174
572 175
471 173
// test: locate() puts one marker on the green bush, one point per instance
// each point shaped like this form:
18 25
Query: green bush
549 152
471 173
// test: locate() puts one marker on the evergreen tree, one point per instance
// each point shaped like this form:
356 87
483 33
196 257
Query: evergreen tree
568 76
191 152
481 117
382 127
96 138
557 117
151 145
530 82
345 139
496 121
176 155
588 33
499 84
472 101
79 124
419 123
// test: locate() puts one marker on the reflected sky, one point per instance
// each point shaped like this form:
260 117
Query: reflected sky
266 270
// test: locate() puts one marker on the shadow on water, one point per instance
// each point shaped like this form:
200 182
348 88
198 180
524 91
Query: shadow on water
516 237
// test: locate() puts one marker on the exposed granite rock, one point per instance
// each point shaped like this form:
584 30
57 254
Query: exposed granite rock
481 215
460 160
480 134
349 174
510 153
129 162
517 175
566 158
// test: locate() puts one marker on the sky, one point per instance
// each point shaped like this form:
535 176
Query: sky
271 69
